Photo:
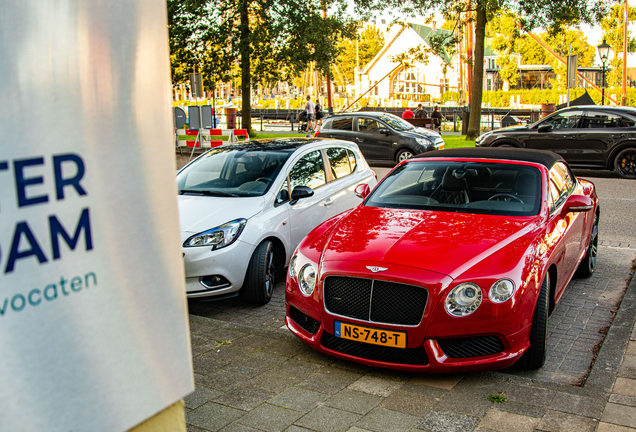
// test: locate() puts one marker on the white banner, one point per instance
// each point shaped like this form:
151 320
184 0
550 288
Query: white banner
93 314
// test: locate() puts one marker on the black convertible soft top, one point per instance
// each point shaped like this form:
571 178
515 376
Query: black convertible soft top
542 157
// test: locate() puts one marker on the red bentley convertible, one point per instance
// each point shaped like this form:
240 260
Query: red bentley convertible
453 263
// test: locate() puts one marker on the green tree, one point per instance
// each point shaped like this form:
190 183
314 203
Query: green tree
612 26
549 14
370 42
267 39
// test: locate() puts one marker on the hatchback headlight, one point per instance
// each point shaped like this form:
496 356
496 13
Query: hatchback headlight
307 279
425 142
501 290
463 300
218 237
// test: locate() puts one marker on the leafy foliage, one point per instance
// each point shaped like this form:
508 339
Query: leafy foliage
370 42
612 26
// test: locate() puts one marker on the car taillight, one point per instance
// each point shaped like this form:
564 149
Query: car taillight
317 133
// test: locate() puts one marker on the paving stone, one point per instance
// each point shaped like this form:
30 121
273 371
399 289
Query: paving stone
314 356
433 392
384 420
555 421
223 380
502 421
251 366
200 396
273 381
286 348
358 429
254 341
190 428
325 383
530 395
631 346
294 428
619 414
327 419
521 409
608 427
466 403
244 397
410 403
441 421
213 416
629 360
298 399
270 418
623 400
625 387
235 427
375 386
442 381
297 368
578 405
353 401
206 364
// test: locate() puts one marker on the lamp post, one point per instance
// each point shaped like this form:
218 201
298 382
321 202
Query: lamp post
603 53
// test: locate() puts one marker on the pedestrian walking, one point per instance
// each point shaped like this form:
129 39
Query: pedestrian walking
437 116
319 115
311 112
408 114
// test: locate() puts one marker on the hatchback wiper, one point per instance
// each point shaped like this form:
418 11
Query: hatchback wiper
206 192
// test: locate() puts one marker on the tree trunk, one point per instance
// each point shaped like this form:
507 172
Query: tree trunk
478 73
245 48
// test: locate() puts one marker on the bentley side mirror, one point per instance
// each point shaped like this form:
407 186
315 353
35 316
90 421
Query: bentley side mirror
362 190
544 128
578 203
300 192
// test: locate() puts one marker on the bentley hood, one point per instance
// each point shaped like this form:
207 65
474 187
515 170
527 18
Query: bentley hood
444 242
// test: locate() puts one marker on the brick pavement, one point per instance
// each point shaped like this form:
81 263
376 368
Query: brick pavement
251 374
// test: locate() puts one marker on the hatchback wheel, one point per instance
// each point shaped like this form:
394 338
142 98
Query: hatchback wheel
625 163
260 278
403 155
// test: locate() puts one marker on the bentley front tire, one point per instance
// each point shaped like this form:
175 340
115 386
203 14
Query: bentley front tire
534 357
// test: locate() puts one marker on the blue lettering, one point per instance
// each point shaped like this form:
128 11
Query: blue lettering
4 165
46 290
76 284
74 181
13 301
22 228
21 182
4 306
57 229
86 279
30 297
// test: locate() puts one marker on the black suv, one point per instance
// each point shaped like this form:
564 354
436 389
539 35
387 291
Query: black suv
381 136
586 136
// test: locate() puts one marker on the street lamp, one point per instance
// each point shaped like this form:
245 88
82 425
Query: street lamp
603 53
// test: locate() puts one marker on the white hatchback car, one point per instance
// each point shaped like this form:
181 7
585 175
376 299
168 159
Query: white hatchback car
244 208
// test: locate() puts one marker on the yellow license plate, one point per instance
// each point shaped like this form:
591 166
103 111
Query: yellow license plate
389 338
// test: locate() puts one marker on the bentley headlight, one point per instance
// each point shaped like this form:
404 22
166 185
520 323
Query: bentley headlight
307 279
218 237
292 267
501 290
463 300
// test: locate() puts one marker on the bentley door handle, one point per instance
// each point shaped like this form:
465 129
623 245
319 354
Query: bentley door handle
328 202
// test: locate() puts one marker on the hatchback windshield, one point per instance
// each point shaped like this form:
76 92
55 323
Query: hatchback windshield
232 172
466 187
396 123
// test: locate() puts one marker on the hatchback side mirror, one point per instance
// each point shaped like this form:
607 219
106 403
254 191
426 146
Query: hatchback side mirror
578 203
300 192
362 190
384 131
544 128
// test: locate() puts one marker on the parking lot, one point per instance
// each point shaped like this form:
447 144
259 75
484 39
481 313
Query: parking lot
252 374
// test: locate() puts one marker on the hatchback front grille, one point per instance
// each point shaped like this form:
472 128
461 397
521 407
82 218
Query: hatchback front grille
471 347
307 323
375 300
411 356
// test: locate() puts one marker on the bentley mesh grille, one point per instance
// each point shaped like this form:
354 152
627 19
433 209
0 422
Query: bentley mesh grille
471 347
375 300
412 356
306 322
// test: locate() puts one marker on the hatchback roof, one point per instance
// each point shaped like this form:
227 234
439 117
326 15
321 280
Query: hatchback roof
366 113
625 109
541 157
270 144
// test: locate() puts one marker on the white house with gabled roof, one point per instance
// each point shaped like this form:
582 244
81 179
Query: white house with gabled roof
413 84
